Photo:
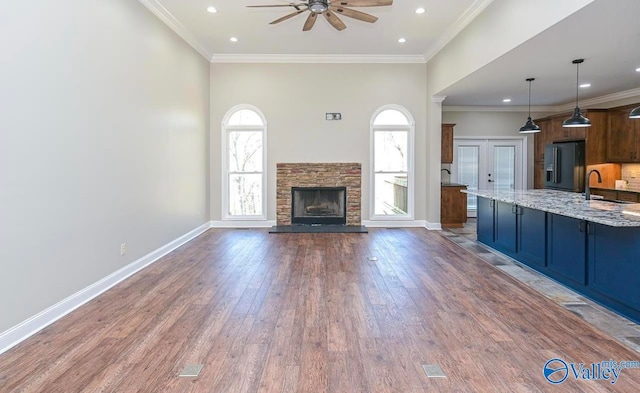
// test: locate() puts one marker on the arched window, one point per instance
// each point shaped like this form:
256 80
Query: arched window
392 129
244 135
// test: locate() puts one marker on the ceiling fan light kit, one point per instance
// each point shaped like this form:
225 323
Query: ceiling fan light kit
529 127
577 120
330 9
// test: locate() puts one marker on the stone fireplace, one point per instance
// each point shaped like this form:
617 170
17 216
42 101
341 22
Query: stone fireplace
325 193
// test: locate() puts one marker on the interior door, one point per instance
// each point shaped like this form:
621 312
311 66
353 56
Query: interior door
488 164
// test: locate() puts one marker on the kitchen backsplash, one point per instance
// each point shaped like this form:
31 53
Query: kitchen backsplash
631 173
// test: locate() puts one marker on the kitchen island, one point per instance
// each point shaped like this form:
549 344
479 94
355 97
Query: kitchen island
591 246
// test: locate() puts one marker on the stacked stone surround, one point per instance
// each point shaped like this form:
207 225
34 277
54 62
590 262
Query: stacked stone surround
290 175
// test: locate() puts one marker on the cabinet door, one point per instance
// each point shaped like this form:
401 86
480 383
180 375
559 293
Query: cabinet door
540 139
505 227
621 144
596 138
453 207
538 174
485 221
532 225
566 248
446 153
614 269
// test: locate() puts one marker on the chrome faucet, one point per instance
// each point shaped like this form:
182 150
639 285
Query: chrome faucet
446 170
587 189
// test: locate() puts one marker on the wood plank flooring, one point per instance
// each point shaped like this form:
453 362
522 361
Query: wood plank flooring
311 313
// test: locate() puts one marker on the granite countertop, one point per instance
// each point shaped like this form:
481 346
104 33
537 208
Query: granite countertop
569 204
447 184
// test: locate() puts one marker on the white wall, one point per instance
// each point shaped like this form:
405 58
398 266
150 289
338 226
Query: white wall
103 140
295 97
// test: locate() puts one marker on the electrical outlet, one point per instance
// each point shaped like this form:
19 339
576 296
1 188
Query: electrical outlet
123 249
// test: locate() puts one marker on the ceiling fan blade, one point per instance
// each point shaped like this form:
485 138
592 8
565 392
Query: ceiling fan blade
334 20
361 3
277 5
354 14
291 15
311 20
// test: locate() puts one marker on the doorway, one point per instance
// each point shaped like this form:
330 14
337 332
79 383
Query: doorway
488 164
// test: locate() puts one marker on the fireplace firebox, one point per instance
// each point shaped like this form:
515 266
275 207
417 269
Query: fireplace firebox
318 205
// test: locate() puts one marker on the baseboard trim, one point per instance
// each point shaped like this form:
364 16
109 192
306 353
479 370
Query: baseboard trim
31 326
433 226
243 224
394 223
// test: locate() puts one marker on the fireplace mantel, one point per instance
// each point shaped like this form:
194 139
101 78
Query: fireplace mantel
290 175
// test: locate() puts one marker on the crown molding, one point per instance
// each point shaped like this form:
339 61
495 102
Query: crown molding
496 108
438 99
292 58
591 102
167 17
463 21
584 104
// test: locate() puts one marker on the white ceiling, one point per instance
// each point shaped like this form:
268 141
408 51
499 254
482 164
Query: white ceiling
256 36
606 33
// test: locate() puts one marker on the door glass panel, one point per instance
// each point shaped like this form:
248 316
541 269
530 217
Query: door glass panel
467 170
504 168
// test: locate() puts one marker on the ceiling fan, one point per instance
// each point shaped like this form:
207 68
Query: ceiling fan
330 9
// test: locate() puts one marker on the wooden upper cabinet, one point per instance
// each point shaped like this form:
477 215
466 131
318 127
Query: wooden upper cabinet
540 139
622 144
446 154
596 137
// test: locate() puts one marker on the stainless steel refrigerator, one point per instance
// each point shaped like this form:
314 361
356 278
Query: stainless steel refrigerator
564 166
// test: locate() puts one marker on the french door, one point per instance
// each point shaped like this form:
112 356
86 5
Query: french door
488 164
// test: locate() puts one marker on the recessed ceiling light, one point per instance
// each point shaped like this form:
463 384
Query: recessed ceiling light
585 85
420 11
507 100
402 40
638 69
212 10
233 39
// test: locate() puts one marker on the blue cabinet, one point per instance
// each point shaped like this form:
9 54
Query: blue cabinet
614 265
485 221
505 227
531 232
566 249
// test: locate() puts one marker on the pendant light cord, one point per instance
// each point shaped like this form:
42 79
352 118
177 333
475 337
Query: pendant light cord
577 82
529 99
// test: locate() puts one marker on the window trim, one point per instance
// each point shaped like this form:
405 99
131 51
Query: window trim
410 128
226 128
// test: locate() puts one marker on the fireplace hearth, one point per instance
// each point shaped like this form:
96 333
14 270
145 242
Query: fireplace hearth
318 205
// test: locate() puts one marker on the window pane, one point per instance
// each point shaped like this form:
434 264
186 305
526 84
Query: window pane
467 170
245 195
391 193
391 117
245 151
245 117
390 151
504 167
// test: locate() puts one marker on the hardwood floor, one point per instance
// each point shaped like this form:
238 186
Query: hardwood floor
312 313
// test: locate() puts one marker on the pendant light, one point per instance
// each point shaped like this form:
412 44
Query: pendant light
529 127
577 120
635 113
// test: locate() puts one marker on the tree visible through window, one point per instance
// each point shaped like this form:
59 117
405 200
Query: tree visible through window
392 130
244 132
